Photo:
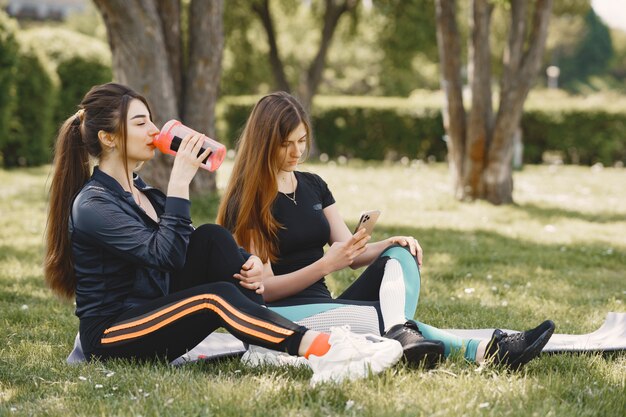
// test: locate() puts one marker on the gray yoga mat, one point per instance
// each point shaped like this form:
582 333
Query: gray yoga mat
611 336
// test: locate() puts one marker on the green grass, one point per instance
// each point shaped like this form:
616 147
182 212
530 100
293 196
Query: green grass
559 253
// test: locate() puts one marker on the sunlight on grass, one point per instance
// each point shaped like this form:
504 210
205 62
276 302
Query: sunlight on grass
559 253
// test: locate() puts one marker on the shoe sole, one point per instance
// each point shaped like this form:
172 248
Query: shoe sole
416 356
533 350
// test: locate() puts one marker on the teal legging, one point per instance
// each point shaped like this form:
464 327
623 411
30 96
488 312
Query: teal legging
364 292
451 342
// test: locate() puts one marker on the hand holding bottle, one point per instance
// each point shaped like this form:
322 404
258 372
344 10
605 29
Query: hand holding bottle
188 159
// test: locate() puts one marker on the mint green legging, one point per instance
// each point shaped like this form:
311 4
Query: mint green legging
308 312
451 342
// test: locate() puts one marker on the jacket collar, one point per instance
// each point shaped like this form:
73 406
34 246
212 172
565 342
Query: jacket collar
112 184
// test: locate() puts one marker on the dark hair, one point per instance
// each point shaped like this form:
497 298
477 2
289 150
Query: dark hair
105 108
246 207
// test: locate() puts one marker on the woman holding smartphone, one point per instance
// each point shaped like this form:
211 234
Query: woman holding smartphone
146 283
286 217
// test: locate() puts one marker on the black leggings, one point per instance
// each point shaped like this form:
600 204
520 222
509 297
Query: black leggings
204 296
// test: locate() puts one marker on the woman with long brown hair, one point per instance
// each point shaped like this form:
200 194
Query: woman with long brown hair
286 217
146 283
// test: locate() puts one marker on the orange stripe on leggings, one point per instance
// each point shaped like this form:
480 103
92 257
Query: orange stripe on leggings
190 310
213 297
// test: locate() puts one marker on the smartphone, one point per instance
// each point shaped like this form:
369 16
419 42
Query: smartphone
367 221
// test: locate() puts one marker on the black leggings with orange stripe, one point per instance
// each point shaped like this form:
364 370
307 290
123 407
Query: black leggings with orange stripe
204 296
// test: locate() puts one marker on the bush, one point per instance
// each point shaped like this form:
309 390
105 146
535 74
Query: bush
43 98
32 125
60 44
77 75
9 50
580 136
80 61
583 130
359 127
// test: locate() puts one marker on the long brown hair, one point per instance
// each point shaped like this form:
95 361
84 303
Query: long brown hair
246 208
105 108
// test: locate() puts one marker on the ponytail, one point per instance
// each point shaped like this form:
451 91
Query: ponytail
71 171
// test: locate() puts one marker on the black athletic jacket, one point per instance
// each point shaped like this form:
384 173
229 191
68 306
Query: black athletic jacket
122 257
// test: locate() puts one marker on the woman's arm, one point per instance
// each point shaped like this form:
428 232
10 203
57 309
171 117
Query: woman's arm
278 287
338 256
102 219
99 218
345 250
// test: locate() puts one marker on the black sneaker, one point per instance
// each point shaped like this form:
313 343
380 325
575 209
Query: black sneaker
417 350
516 350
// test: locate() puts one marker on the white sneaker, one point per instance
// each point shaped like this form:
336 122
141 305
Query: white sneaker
353 356
259 356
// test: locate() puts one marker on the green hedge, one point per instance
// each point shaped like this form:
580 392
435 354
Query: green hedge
379 127
80 61
32 126
53 71
9 56
580 136
360 127
77 75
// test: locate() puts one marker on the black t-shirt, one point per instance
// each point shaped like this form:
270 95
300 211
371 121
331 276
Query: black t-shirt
305 230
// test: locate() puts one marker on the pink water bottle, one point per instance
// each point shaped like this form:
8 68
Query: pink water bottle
172 134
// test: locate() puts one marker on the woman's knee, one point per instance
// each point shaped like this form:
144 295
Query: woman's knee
213 232
211 229
399 253
222 288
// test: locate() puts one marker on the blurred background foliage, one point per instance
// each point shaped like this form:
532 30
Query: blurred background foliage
382 48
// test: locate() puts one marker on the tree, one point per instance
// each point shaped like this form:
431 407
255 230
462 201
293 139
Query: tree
409 40
480 145
309 82
9 62
592 54
174 62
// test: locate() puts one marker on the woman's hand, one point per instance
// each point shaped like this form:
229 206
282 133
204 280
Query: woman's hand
251 275
186 164
412 243
342 254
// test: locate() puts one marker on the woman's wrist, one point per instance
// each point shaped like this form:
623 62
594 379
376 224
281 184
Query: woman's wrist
323 267
256 259
178 189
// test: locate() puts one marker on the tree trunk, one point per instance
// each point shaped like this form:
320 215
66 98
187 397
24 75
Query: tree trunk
146 43
480 121
262 9
313 76
169 12
481 161
333 12
202 78
448 41
520 68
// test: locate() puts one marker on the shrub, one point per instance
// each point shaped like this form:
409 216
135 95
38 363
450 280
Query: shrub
80 61
360 127
583 130
43 98
580 136
9 50
32 126
77 75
